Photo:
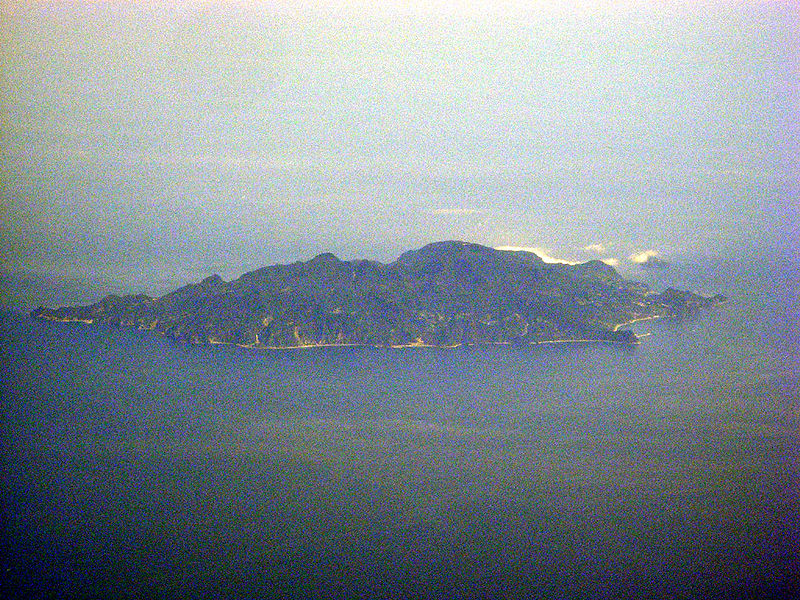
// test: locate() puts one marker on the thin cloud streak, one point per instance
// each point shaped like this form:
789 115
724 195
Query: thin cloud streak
596 248
540 252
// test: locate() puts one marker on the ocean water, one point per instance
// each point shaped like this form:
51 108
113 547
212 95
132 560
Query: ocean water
136 467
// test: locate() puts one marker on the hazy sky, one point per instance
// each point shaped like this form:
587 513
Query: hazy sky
145 141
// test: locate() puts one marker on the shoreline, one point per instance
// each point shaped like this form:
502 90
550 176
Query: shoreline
639 320
259 346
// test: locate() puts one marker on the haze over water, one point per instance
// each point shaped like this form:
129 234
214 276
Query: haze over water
135 466
146 145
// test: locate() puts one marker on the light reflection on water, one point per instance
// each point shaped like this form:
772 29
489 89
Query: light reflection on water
134 466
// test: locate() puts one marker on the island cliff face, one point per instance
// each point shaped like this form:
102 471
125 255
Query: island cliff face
444 294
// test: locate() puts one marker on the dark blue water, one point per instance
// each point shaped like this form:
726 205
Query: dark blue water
137 467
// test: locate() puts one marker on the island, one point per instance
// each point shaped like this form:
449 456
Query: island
445 294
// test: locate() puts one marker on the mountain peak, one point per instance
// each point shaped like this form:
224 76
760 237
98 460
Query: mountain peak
326 258
212 281
598 270
439 251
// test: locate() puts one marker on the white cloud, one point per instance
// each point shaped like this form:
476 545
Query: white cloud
612 262
596 248
641 258
540 252
650 259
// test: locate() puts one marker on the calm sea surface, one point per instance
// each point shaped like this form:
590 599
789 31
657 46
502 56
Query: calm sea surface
136 467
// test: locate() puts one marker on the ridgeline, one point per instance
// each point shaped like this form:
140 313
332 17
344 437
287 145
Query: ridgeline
444 294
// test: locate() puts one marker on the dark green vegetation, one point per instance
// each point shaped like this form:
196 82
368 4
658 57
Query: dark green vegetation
445 294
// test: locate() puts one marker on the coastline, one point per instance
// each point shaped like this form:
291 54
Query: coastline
650 318
416 344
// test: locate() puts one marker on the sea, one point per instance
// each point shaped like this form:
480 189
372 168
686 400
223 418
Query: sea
137 467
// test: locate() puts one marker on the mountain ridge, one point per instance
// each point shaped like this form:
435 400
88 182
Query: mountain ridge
444 294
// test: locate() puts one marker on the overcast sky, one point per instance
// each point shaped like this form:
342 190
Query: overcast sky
145 142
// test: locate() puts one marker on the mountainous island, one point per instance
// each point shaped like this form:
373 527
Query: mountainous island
444 294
